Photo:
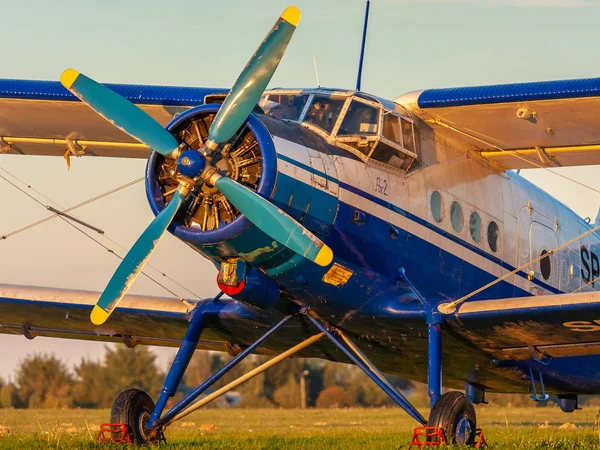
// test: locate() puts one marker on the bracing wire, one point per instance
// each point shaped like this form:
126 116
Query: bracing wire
87 202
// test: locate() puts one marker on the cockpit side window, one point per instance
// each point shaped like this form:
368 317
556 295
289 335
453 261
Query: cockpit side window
324 112
408 135
285 106
391 128
361 119
389 155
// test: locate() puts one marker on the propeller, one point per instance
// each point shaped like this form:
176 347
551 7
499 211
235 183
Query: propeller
195 166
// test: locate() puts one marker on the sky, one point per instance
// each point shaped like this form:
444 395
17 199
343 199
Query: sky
411 45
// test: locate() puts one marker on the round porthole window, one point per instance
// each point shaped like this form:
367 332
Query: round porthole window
493 235
545 265
475 226
436 204
456 217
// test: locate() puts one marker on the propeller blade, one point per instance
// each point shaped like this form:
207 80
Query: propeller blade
254 79
135 260
275 222
120 112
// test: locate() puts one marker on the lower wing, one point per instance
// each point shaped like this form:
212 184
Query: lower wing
548 326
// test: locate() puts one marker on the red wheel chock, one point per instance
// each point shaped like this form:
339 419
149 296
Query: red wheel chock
481 443
432 437
114 432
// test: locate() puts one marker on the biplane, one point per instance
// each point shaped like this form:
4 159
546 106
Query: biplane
394 234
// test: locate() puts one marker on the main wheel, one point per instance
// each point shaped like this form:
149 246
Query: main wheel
133 407
455 414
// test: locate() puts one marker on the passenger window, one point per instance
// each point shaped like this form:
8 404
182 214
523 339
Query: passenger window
545 265
287 107
361 119
437 206
456 217
408 135
324 112
475 226
493 233
388 155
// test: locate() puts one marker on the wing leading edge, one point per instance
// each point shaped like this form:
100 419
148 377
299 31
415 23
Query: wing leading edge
43 118
521 125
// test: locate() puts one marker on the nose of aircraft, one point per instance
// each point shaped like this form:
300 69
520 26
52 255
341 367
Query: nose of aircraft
232 114
191 163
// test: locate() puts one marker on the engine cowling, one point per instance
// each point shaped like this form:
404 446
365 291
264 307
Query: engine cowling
214 227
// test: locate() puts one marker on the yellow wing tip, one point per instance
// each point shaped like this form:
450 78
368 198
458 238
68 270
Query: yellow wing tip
324 257
98 315
291 15
68 77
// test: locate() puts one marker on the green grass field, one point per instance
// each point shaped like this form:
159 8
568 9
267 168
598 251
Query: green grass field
505 428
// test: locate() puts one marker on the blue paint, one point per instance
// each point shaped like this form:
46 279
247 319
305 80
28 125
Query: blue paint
217 375
191 163
393 393
266 184
362 47
542 397
181 361
445 234
309 205
503 93
135 93
124 115
260 290
434 362
270 219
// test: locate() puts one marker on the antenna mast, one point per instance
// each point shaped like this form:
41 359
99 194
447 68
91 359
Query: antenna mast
362 47
316 71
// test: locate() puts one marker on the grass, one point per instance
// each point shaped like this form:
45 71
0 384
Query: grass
360 429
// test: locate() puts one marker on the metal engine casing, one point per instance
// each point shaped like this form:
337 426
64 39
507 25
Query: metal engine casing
295 174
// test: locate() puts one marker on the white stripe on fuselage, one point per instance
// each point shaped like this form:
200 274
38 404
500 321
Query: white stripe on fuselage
297 152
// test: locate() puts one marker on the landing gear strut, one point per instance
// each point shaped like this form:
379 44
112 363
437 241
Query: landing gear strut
452 412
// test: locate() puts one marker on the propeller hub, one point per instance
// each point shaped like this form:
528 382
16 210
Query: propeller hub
191 163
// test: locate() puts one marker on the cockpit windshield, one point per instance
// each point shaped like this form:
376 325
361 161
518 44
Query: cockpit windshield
324 112
284 106
371 127
361 119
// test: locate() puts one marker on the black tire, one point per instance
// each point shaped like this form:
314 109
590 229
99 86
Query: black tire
133 407
455 414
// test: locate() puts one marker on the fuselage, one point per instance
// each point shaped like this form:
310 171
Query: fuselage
439 212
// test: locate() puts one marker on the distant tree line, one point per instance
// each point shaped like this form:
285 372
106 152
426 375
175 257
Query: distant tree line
44 381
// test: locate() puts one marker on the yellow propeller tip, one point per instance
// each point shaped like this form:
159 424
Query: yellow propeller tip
291 15
324 257
98 315
68 77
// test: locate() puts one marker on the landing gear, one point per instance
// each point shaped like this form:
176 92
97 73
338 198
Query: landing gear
452 414
455 414
132 408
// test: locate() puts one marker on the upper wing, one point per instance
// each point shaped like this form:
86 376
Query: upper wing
39 117
518 126
532 327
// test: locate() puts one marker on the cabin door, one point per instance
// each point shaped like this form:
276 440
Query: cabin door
537 236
